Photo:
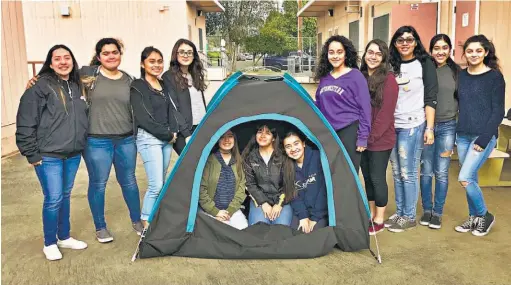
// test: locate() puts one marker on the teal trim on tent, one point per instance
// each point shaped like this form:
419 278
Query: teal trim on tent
194 203
221 92
289 80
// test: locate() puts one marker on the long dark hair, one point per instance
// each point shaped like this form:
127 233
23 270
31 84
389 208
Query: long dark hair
74 76
455 69
351 59
289 164
376 81
145 54
419 51
278 156
196 69
99 46
491 59
235 152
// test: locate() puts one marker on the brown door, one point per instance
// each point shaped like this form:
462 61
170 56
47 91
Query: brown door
423 17
465 26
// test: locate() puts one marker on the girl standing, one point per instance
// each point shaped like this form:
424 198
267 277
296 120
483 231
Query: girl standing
414 121
186 82
436 158
51 131
481 102
157 123
342 95
384 92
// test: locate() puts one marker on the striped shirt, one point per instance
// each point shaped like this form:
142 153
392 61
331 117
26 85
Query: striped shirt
226 183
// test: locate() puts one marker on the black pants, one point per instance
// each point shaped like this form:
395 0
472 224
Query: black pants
295 222
374 168
348 136
180 143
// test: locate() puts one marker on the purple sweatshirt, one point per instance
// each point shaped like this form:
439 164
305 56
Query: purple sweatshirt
345 100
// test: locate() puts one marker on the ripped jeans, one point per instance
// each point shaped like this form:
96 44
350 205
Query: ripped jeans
405 160
471 161
435 161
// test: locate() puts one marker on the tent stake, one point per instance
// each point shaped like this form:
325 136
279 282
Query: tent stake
377 257
135 255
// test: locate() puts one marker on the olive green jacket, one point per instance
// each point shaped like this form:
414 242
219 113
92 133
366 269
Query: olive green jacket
208 185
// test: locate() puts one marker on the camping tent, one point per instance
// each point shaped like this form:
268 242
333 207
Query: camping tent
178 228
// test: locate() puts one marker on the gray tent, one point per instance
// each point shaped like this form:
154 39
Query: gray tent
178 228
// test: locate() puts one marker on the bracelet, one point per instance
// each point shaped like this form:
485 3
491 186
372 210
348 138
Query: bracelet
430 129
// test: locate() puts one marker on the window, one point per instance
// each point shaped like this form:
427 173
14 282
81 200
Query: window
381 28
201 44
354 32
320 43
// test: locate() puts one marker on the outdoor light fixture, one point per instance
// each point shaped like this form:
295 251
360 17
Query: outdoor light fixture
331 12
199 13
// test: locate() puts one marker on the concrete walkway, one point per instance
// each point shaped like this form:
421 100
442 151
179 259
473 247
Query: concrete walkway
420 256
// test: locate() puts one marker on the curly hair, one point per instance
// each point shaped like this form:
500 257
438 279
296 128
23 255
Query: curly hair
351 58
376 81
196 69
491 59
419 51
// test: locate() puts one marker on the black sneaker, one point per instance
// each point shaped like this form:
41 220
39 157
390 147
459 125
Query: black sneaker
426 217
467 225
391 220
435 222
484 225
402 224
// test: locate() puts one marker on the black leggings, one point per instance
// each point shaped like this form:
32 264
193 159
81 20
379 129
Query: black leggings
180 143
374 168
348 136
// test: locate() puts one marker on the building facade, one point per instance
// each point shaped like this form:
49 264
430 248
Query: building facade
31 28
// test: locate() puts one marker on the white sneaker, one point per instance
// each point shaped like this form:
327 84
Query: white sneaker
52 252
72 244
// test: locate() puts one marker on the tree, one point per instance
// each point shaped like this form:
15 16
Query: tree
241 19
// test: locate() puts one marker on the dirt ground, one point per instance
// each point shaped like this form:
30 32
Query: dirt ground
419 256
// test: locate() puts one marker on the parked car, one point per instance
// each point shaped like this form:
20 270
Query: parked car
249 56
281 61
240 57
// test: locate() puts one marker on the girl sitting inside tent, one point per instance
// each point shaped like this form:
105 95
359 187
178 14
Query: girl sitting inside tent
262 160
222 188
309 202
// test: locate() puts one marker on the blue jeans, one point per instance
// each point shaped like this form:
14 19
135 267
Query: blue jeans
405 159
156 157
256 215
99 155
470 161
57 177
436 158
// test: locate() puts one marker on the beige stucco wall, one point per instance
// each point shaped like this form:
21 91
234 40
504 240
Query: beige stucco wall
14 71
137 23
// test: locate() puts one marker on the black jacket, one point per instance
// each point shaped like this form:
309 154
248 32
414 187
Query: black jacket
45 126
143 112
180 97
264 182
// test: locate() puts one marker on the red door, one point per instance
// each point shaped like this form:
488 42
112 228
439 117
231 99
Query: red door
423 17
465 26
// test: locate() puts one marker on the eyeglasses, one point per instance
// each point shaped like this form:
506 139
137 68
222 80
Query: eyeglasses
187 53
376 54
401 41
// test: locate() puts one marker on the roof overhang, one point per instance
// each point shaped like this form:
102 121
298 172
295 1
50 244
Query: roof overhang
316 8
207 6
